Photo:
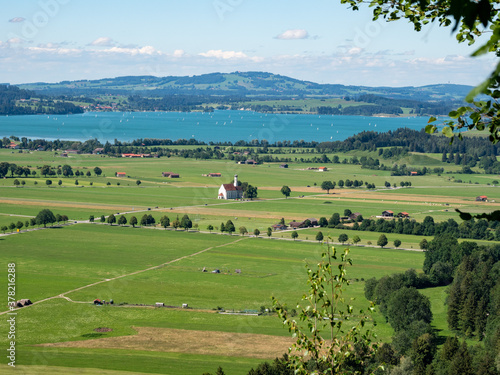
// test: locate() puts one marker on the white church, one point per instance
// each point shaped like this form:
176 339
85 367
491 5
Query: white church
231 191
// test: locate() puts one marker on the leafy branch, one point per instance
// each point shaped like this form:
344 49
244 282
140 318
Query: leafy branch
330 338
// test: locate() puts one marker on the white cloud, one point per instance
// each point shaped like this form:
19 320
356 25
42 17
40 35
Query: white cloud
15 41
293 34
103 42
146 50
179 53
225 55
17 19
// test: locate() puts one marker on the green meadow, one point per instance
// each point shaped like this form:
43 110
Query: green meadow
64 269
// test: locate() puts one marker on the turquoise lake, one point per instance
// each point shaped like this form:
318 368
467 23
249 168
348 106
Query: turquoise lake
218 126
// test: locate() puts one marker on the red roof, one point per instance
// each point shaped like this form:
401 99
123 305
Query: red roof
231 187
483 197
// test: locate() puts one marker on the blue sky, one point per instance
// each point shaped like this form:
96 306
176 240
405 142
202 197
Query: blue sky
321 41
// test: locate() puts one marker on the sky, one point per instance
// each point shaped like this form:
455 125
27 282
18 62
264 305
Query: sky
317 40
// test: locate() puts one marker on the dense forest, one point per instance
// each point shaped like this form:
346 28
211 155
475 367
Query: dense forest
11 98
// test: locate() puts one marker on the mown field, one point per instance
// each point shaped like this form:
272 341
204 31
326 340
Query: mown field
136 266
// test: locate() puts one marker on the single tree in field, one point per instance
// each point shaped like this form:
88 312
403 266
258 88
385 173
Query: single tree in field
91 218
32 221
122 220
243 230
26 224
397 243
16 182
103 219
138 182
269 232
327 185
88 174
222 228
59 182
58 218
319 237
176 223
23 182
356 239
19 225
4 228
12 226
282 221
424 244
230 227
382 240
250 192
111 219
133 221
347 212
343 238
97 171
285 190
45 217
323 222
76 182
186 222
210 228
294 235
48 182
256 232
45 170
144 220
164 221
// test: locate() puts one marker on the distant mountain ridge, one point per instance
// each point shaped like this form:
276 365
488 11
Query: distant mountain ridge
242 84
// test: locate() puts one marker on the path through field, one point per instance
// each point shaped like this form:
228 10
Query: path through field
63 295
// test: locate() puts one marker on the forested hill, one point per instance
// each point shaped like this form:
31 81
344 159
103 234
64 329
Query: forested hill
16 101
240 84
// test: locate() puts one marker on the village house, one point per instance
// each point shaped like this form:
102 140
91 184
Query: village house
170 175
98 151
231 191
277 227
322 169
403 215
14 146
387 213
215 175
75 152
354 216
120 174
284 166
482 198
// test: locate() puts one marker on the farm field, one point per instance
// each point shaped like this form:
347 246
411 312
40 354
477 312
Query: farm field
267 268
62 270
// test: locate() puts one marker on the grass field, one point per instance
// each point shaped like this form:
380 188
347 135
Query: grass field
63 269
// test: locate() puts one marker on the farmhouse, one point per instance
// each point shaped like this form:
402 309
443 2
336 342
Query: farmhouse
170 175
296 224
231 191
354 216
403 215
98 151
251 162
277 227
322 169
413 173
14 146
284 166
120 174
215 175
482 198
73 152
387 214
